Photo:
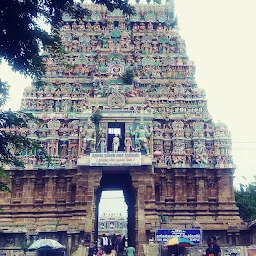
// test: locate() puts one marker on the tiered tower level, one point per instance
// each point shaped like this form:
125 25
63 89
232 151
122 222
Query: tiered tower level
173 162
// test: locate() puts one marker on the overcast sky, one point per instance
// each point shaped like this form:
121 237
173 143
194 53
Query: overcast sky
220 38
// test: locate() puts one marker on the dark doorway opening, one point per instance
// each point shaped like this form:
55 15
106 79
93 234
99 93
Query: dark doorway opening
116 24
113 129
118 181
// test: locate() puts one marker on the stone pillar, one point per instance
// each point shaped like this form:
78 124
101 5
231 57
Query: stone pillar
82 186
230 242
77 240
231 185
152 175
48 190
32 188
26 197
69 244
68 189
139 185
27 238
170 188
200 185
141 214
237 236
93 183
163 185
225 190
180 194
184 185
54 189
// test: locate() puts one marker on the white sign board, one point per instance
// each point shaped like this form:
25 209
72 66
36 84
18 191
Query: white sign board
115 159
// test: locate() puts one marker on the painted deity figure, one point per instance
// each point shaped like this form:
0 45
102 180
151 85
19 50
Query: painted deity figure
102 144
150 27
115 143
142 27
96 27
142 135
159 29
200 155
89 137
135 28
104 41
64 150
128 143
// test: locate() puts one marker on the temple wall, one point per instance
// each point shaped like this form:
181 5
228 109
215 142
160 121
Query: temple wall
185 198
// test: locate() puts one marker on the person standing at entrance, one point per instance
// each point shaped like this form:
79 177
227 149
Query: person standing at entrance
116 143
105 242
209 249
130 251
113 242
108 251
121 246
215 246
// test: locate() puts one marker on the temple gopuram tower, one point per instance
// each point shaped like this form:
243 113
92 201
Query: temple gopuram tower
123 112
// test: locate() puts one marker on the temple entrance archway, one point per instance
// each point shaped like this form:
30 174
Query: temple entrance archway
116 180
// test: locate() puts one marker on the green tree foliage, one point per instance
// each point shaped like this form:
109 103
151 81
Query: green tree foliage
246 200
13 137
22 36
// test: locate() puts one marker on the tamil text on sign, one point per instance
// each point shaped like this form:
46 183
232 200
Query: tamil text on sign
115 159
163 235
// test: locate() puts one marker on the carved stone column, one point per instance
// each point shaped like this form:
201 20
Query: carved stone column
170 187
46 188
54 189
27 239
163 185
49 186
69 245
93 183
139 185
68 190
180 194
26 197
32 188
76 240
231 185
237 238
230 238
225 190
200 185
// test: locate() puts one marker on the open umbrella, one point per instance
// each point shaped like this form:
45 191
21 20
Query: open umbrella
46 245
179 242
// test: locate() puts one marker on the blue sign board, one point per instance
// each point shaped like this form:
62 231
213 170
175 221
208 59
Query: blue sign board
163 235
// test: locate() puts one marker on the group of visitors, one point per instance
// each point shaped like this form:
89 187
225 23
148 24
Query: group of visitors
213 248
114 246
